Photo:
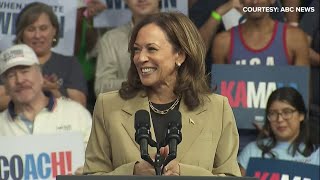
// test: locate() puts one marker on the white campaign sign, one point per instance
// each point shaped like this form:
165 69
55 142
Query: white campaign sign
66 12
118 13
40 156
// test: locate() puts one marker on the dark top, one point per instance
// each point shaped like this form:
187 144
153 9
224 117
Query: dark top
160 123
68 70
310 24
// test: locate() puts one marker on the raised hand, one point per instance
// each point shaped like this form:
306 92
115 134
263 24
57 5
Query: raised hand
52 84
94 7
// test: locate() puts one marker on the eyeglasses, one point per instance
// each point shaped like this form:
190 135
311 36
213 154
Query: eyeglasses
285 114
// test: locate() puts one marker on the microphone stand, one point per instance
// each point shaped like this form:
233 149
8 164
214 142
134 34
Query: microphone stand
160 162
173 138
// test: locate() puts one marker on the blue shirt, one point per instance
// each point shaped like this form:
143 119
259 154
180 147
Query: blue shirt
280 151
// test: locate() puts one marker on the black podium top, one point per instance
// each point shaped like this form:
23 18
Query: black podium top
153 178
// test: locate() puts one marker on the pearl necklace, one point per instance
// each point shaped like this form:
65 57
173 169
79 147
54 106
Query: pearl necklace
154 109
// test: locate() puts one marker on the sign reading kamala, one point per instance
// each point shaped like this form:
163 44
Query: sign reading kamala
40 156
248 87
66 12
272 169
118 13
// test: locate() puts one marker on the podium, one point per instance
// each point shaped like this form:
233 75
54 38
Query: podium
65 177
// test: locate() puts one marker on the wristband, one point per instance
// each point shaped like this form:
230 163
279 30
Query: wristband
216 16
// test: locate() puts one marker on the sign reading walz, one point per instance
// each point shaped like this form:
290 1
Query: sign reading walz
248 87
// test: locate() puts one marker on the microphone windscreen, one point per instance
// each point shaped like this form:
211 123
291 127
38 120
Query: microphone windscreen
141 119
174 119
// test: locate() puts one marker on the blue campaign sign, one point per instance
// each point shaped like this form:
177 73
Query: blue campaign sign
248 87
272 169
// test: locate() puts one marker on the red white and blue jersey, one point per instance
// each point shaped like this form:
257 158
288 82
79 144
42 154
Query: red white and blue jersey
274 53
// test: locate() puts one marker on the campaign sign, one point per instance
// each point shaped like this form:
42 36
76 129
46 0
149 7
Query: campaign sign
40 156
65 11
273 169
118 13
248 87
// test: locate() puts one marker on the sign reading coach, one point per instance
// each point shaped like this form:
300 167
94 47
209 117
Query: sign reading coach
248 87
40 156
65 11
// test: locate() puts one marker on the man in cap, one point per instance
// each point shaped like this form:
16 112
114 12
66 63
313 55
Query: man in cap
32 111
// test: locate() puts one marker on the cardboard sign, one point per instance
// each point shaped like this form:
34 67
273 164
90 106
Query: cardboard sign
248 87
40 156
272 169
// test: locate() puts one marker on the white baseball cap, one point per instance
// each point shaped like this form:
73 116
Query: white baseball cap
17 55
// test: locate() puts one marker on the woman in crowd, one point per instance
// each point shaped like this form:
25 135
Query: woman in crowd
38 27
285 134
167 73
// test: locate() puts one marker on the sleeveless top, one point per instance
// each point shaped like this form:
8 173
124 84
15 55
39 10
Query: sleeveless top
274 53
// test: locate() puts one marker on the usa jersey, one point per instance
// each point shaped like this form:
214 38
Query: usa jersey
274 53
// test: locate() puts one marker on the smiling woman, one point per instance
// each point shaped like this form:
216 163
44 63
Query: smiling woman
167 73
155 58
175 53
285 134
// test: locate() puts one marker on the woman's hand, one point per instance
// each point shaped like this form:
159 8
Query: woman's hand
51 84
143 168
146 169
79 171
172 168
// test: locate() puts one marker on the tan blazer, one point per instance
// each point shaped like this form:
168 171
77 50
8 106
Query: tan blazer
209 143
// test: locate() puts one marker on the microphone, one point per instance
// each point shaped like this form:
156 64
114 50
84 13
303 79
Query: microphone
174 136
143 135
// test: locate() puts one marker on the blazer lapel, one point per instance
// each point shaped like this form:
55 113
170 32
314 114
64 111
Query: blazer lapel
131 107
191 128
